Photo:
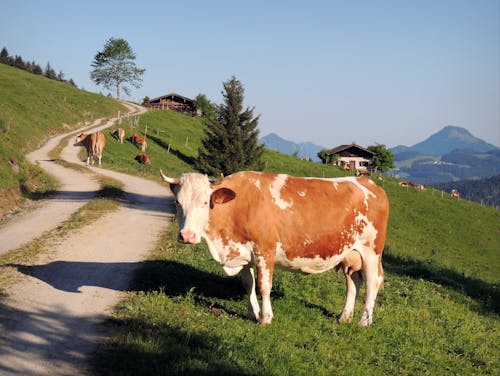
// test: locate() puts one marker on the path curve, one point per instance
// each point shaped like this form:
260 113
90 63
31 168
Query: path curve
51 321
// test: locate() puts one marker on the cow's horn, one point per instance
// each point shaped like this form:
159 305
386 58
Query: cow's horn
167 179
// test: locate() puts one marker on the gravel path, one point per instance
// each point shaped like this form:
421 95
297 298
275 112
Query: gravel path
51 321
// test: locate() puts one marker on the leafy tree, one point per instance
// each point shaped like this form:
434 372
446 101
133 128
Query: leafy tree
203 104
383 159
145 101
114 67
323 155
231 136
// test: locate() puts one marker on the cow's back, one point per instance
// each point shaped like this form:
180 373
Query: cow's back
306 217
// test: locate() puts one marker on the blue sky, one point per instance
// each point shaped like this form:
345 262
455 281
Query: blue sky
328 72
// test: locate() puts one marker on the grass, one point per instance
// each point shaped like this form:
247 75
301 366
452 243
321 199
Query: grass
187 317
438 313
33 108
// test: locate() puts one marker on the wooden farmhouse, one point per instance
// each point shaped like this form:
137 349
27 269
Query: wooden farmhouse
175 102
351 157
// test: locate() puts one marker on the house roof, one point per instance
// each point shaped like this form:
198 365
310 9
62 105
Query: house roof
174 96
341 148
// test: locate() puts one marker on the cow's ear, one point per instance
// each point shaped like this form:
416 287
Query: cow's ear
221 196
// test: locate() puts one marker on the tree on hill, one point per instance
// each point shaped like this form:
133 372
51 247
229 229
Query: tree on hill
203 104
231 136
114 67
4 56
383 159
49 72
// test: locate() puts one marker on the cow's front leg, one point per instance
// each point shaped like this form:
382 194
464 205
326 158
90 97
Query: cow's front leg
265 281
247 275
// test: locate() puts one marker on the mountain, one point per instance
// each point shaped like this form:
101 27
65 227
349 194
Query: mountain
450 138
302 150
451 154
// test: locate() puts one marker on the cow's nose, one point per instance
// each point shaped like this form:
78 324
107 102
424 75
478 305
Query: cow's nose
187 236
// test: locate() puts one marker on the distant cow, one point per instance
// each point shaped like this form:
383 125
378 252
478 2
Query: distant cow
455 193
119 134
139 141
309 225
94 144
143 158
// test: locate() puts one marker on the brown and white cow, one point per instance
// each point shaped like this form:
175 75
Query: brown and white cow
119 134
139 141
94 144
308 225
455 193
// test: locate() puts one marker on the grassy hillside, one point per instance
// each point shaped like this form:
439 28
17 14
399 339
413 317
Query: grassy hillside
438 313
33 108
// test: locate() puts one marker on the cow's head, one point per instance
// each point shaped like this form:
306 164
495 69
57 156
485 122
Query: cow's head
80 138
195 196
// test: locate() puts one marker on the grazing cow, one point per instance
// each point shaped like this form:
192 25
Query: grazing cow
119 134
94 143
143 158
308 225
362 173
139 141
455 193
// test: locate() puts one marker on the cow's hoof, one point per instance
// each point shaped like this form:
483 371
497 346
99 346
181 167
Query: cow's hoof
344 319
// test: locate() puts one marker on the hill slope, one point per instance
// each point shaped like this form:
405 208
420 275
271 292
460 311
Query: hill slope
32 109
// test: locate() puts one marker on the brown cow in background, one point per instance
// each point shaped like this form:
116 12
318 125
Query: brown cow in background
139 141
119 134
94 144
143 158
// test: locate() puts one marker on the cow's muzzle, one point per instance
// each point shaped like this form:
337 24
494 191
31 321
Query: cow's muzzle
188 236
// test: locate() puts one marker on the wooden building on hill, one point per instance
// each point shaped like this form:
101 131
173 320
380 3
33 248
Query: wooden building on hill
351 157
175 102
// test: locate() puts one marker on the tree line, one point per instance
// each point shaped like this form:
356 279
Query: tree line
484 191
32 67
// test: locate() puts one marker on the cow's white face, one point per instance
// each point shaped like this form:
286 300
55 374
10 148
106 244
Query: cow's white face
193 204
195 196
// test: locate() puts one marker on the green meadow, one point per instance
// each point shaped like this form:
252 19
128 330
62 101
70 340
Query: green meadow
438 313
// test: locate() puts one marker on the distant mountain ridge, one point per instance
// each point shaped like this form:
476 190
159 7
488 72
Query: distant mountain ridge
451 154
302 150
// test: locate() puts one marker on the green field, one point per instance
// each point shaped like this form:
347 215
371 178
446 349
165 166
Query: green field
438 313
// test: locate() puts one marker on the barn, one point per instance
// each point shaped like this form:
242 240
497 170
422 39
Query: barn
351 157
175 102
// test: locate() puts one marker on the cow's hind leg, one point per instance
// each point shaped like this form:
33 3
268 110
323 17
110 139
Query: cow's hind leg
353 284
247 275
374 277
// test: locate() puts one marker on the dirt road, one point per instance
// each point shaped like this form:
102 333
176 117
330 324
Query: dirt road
52 319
